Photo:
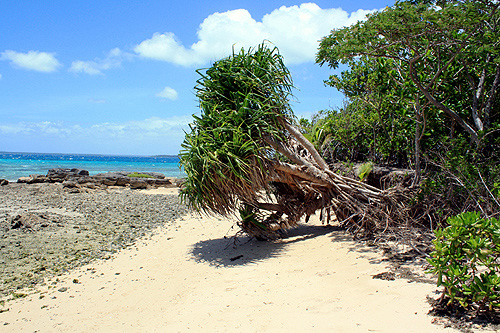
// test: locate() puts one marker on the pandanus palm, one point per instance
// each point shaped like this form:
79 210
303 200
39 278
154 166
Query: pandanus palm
244 154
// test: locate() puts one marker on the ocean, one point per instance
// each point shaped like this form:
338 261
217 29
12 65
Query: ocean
15 165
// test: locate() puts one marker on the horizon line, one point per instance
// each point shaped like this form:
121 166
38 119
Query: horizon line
89 154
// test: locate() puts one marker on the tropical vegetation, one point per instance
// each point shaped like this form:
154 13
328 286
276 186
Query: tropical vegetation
465 260
245 155
422 89
421 80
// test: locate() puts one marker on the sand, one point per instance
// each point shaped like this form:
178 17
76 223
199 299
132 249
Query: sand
46 229
195 277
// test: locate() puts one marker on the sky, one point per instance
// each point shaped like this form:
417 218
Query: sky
118 77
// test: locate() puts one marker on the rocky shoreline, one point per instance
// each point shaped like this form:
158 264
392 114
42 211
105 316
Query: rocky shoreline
79 179
48 228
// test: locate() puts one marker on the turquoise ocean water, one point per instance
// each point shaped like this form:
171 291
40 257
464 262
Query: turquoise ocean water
15 165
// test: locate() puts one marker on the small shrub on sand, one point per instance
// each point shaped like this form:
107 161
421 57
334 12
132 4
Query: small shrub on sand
466 261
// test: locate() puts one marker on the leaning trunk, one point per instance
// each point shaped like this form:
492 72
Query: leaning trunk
244 155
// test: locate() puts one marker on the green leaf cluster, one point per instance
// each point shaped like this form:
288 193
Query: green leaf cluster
423 91
243 99
466 260
364 170
446 58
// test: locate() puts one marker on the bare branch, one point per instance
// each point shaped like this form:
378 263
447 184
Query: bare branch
284 150
487 189
309 175
440 105
440 70
307 145
491 98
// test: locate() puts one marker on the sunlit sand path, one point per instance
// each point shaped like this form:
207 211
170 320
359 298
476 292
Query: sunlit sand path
191 278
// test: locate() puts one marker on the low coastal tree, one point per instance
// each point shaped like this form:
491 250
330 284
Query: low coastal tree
429 72
437 49
245 154
425 76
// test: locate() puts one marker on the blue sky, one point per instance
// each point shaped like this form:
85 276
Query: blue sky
117 77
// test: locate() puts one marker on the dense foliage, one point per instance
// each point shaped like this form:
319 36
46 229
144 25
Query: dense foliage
224 156
422 89
422 92
466 261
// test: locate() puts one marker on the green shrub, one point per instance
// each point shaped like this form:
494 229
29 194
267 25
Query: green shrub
466 260
139 175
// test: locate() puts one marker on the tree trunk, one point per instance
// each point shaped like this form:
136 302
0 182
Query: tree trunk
418 137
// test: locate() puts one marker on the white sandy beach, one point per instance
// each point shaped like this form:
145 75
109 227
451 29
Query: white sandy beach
192 278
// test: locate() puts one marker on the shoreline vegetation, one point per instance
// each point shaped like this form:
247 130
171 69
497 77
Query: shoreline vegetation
422 87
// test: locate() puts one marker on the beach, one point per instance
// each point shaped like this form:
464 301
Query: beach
47 229
145 263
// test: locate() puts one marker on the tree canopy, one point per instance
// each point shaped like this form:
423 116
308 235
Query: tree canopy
424 78
441 51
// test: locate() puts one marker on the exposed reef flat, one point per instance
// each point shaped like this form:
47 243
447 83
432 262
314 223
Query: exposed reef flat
47 229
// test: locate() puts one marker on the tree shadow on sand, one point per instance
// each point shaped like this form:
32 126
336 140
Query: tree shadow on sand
238 251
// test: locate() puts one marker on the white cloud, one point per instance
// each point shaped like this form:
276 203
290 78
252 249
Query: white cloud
295 30
48 127
151 127
15 128
33 60
165 47
113 59
45 127
148 136
89 67
0 76
168 93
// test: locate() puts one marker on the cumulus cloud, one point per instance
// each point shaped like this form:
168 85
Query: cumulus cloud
168 93
113 59
165 47
32 60
295 30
